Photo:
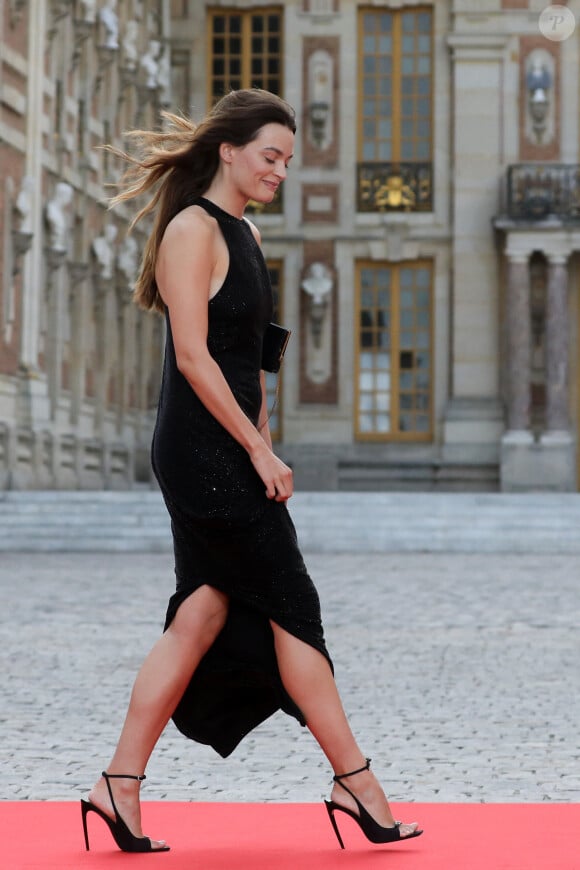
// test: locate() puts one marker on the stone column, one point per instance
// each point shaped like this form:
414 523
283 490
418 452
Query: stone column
557 419
54 303
519 343
473 422
78 273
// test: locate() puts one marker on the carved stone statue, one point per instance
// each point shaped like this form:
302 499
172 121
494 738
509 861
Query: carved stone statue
318 286
164 76
104 251
57 217
130 50
110 21
318 283
127 260
88 11
150 64
23 204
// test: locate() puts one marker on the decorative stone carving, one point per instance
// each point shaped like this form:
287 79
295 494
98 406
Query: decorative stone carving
150 63
164 77
318 286
57 218
88 10
128 260
104 250
320 92
540 76
23 204
110 22
130 50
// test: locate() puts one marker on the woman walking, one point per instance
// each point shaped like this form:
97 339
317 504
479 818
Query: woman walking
243 634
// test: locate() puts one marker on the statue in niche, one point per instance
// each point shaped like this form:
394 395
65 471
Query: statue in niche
110 21
23 204
150 64
88 11
164 76
318 286
57 217
104 251
127 260
130 50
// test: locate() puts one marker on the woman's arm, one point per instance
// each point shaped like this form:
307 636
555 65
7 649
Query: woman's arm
190 256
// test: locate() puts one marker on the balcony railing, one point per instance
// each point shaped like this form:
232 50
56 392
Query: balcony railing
539 191
385 187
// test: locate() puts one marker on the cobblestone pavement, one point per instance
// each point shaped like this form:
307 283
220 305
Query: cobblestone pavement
460 674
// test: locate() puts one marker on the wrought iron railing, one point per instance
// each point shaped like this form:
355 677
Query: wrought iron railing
385 187
538 191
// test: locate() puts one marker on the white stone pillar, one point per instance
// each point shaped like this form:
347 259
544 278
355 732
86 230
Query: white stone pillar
518 343
32 281
473 422
557 416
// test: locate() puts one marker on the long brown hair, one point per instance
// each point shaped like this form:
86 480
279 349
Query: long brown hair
180 163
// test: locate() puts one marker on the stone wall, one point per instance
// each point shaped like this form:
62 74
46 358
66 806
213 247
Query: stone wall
79 364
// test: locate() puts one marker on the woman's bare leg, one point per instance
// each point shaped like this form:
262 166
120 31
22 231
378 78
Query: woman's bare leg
160 683
308 680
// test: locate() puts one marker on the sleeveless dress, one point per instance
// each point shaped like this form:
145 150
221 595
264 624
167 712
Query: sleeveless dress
226 532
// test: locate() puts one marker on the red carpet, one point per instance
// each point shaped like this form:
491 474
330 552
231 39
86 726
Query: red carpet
296 837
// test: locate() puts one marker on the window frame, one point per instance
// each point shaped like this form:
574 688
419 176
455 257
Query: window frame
395 435
375 177
246 56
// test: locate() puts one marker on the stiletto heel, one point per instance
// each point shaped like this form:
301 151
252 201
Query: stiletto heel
125 840
374 832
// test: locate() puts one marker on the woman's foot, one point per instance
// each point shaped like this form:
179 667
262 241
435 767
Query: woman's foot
126 795
370 794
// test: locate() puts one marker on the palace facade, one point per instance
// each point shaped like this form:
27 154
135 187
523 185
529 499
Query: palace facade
424 250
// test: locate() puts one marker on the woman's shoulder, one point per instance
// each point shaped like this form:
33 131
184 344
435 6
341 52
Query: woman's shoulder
192 217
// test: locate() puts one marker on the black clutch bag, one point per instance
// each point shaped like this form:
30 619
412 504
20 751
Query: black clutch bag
274 347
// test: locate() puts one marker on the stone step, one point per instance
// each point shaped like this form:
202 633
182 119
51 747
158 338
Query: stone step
359 522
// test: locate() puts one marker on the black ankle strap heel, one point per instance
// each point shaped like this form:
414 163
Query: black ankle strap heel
374 832
125 840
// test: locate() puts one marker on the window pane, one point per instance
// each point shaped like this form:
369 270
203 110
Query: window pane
368 151
369 129
366 381
385 23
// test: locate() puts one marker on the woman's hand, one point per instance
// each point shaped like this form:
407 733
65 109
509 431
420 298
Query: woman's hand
275 474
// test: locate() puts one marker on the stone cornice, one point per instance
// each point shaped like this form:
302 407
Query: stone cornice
477 46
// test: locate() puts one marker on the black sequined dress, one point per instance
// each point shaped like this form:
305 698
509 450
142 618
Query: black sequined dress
226 532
